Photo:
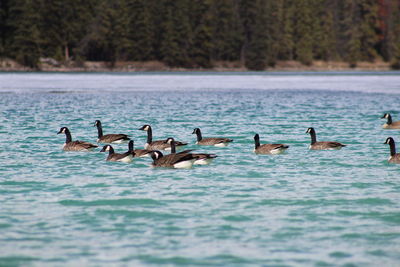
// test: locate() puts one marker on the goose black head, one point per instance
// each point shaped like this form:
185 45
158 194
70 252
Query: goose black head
156 154
310 130
97 123
196 130
256 137
389 140
105 148
145 127
169 140
63 130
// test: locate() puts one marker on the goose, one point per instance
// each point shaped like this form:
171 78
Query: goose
394 157
139 153
159 144
268 148
211 141
322 144
178 161
202 158
390 124
75 145
109 138
123 157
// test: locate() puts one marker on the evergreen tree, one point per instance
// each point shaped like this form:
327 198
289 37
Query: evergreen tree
3 26
176 38
303 32
25 40
227 31
273 29
286 44
140 31
352 34
63 25
369 28
201 48
107 38
195 33
394 35
256 51
324 45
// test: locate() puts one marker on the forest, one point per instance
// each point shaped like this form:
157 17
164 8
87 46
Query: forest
198 33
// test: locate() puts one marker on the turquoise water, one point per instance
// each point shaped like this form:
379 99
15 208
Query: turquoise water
302 208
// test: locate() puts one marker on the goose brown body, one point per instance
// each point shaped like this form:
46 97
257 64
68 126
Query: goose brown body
210 141
138 153
109 138
201 158
121 157
268 148
394 157
178 160
390 124
158 144
75 145
322 145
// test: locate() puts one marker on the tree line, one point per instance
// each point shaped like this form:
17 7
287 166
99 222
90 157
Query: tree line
196 33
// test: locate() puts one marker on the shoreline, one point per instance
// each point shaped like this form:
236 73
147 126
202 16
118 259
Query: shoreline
50 65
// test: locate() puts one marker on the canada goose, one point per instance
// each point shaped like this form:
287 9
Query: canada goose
139 153
394 157
109 138
112 156
75 145
268 148
178 161
159 144
202 158
390 124
323 144
211 141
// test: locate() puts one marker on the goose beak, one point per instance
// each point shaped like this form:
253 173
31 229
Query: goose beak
141 128
103 149
383 117
59 132
194 131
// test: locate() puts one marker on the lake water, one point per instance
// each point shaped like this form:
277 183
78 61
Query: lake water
302 208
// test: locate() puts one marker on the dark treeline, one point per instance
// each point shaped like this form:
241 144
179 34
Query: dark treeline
196 33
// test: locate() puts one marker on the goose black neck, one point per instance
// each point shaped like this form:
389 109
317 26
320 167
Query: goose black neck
173 147
149 135
199 137
389 119
99 131
111 150
68 136
392 148
313 137
130 146
257 142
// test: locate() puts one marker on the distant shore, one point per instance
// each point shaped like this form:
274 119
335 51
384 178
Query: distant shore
50 65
